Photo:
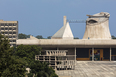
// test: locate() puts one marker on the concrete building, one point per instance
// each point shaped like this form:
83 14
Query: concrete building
62 51
9 29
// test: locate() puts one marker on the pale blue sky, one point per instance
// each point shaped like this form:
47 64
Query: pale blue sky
45 17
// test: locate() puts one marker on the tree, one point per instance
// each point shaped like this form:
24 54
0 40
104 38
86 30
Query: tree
41 69
76 38
113 37
49 37
39 37
23 36
27 52
10 65
16 68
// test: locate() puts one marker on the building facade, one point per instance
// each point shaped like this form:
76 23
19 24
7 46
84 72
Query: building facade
62 50
9 29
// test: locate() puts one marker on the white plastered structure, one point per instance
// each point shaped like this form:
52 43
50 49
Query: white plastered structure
64 33
97 26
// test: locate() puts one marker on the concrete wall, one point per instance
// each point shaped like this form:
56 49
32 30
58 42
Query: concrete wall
99 30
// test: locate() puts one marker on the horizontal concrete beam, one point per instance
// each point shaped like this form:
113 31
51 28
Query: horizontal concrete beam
74 42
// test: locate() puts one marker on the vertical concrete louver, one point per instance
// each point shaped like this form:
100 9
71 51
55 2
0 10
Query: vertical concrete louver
64 33
97 26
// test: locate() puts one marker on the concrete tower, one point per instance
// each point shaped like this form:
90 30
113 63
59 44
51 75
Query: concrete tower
97 26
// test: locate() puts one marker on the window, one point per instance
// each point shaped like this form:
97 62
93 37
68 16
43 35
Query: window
14 36
10 40
14 32
14 24
10 32
10 28
92 21
6 28
14 28
6 32
10 24
9 36
6 24
14 40
2 28
2 24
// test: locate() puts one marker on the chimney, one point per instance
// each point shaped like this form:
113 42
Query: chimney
64 20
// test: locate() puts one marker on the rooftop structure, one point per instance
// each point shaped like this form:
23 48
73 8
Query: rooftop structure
97 26
64 33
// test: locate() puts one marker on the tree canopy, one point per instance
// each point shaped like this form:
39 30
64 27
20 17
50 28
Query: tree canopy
39 69
49 37
10 65
23 36
113 37
39 37
28 52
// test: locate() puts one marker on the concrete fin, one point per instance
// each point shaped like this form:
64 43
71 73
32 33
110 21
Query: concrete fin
64 33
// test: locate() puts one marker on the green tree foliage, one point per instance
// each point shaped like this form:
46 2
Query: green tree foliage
39 37
49 37
10 66
27 52
41 69
23 36
76 38
16 67
113 37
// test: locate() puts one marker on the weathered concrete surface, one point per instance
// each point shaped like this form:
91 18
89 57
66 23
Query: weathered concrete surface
66 42
91 69
64 33
97 26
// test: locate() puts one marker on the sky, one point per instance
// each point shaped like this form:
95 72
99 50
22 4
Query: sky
45 17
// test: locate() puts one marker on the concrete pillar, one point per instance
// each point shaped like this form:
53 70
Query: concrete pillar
50 53
57 51
93 54
64 20
110 54
55 63
66 64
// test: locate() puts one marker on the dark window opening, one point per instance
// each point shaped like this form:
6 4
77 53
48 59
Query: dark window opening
6 32
14 36
92 21
10 32
10 24
2 28
14 28
10 28
6 24
14 32
6 28
2 24
9 36
14 40
14 24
